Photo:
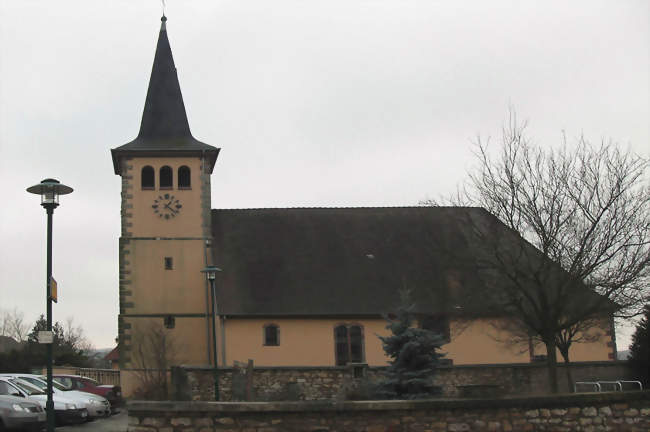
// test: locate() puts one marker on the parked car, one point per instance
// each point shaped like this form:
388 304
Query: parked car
76 382
17 413
97 406
65 410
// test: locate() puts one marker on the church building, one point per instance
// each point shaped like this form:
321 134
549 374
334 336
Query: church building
298 286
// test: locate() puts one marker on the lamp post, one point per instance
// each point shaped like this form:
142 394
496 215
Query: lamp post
211 274
49 190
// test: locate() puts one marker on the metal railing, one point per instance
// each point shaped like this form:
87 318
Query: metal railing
103 376
600 386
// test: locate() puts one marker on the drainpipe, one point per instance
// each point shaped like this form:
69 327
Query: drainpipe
222 324
206 245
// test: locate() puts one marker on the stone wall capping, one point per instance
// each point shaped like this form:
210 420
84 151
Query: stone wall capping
272 368
461 366
140 408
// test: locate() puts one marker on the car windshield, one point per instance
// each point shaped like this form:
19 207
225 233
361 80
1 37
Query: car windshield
91 382
65 382
26 387
7 389
35 382
60 386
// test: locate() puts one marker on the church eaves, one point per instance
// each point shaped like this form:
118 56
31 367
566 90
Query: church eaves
164 130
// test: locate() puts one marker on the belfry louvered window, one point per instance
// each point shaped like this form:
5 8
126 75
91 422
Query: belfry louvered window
147 180
184 181
166 177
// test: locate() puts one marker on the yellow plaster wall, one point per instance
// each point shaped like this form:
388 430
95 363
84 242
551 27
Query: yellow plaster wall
145 222
129 382
595 350
186 342
310 342
590 351
480 342
303 342
156 290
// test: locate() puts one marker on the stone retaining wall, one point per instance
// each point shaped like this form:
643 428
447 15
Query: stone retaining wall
617 412
339 383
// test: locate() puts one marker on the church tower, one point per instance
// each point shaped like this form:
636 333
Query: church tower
165 234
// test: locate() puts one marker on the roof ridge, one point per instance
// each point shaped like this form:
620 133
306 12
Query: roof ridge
343 208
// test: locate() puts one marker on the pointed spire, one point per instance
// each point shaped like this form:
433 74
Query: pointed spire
164 129
164 111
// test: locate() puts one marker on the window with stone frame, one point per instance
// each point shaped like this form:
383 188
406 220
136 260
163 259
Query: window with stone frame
348 344
271 335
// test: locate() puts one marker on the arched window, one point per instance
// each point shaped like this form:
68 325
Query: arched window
348 342
184 177
271 335
166 177
147 178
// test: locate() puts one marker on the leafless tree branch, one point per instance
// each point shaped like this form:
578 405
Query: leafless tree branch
570 232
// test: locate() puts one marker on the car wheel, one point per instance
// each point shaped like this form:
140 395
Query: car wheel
2 426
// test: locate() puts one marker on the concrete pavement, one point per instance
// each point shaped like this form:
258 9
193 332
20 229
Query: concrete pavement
115 423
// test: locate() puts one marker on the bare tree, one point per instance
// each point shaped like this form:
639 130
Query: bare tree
74 337
585 331
568 229
154 351
12 324
521 339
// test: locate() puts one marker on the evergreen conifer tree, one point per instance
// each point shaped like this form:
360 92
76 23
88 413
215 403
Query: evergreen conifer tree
414 356
640 349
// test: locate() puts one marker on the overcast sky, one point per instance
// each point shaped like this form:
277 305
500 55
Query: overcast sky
313 103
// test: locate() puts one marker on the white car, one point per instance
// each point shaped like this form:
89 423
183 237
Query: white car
16 413
97 406
66 410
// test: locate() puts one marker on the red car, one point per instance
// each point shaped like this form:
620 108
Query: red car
76 382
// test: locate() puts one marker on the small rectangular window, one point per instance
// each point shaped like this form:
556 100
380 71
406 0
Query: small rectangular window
271 335
169 321
169 263
437 324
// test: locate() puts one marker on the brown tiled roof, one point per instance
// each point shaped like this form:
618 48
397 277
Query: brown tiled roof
114 355
344 261
7 344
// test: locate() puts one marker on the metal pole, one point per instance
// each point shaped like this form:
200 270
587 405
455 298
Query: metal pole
49 406
214 341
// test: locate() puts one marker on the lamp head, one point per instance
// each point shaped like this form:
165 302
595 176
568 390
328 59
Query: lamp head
49 190
211 272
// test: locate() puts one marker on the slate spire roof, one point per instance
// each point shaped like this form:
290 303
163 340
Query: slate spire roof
164 129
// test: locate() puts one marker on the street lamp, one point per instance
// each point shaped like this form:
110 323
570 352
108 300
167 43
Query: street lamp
49 190
211 274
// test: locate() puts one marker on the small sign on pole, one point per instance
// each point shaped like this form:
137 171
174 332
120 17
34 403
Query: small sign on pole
53 290
45 337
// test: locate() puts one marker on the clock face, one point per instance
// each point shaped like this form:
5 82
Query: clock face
166 206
